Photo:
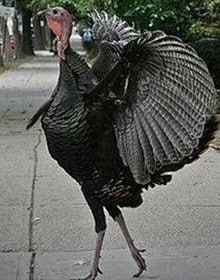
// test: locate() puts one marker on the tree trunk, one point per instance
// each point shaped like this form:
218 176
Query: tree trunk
1 61
19 52
1 47
27 32
39 42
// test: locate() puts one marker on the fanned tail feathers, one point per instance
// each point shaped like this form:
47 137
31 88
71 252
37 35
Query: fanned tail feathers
110 29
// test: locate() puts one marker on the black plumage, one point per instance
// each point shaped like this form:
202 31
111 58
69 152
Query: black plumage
144 108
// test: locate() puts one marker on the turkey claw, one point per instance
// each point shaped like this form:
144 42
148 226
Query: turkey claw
92 275
99 271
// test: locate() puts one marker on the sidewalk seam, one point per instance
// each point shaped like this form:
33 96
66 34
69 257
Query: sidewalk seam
31 216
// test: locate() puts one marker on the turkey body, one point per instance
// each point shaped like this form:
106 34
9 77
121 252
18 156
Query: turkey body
116 128
84 145
70 138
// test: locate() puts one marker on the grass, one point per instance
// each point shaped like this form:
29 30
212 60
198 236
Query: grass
13 64
2 69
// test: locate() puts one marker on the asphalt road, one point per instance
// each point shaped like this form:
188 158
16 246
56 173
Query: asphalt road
46 230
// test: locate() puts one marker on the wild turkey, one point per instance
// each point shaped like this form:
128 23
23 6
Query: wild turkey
144 108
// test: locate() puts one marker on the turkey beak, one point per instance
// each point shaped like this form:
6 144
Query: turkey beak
43 12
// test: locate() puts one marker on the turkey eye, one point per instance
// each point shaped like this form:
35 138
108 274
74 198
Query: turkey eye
55 12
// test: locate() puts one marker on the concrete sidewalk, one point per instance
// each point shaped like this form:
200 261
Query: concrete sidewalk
46 230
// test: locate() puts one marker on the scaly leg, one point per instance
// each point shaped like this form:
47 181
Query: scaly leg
136 254
100 227
95 263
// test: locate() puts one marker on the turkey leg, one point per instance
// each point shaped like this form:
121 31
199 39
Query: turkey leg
95 263
100 227
136 253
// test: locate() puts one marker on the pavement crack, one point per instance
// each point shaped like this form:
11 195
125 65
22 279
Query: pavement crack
29 78
31 208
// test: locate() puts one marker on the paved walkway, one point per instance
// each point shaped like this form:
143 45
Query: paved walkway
46 230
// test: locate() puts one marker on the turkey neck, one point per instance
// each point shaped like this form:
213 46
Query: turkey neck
67 93
82 74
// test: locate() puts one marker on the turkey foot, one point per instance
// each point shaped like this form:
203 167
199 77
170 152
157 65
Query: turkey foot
136 253
95 264
92 274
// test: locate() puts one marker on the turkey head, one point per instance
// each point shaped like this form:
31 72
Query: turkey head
60 22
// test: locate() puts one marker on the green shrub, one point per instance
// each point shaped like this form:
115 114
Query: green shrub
200 30
209 50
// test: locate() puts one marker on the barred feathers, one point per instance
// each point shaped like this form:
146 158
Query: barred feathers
174 99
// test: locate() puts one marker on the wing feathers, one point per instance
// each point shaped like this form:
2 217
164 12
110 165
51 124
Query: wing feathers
166 92
178 121
155 153
170 153
192 88
171 128
174 98
145 135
